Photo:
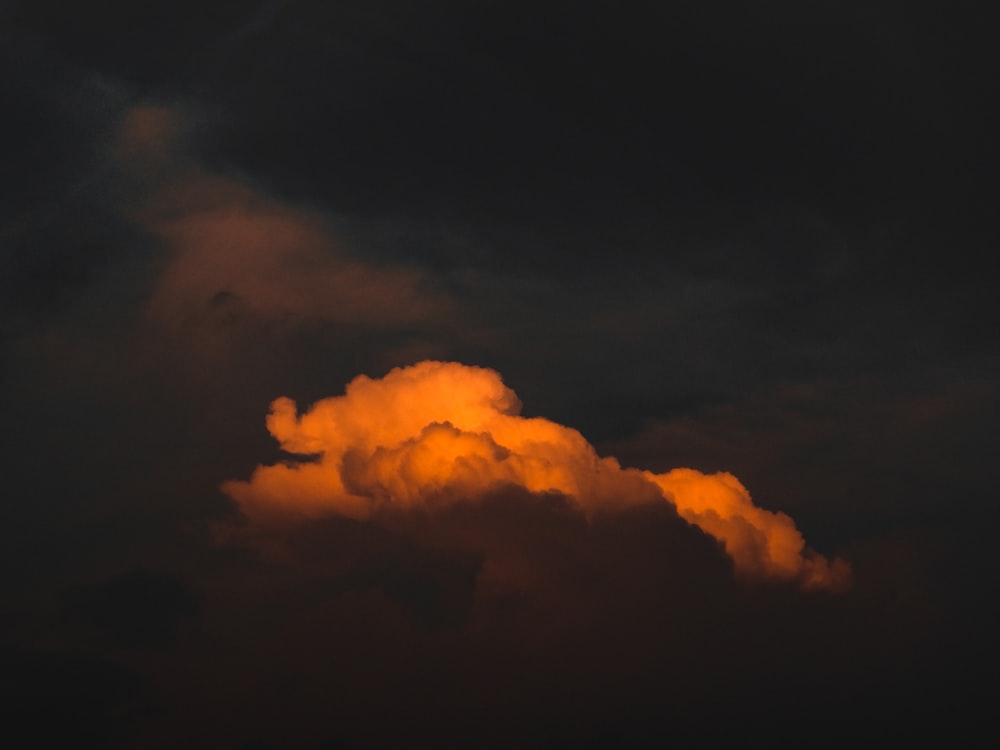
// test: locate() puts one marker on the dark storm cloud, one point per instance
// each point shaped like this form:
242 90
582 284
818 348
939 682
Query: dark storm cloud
626 629
69 698
661 125
432 584
538 111
56 228
143 45
815 159
918 432
553 596
734 236
138 609
807 175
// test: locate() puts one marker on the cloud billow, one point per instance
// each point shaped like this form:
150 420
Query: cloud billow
437 434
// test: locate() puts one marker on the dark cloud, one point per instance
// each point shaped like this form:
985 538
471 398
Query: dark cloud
548 596
626 629
662 126
70 698
138 609
741 237
532 111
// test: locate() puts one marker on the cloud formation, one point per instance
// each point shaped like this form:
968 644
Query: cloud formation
436 434
236 251
281 264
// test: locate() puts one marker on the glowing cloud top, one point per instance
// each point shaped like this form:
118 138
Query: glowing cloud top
441 432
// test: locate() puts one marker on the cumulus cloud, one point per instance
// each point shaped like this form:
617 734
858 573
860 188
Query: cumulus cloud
437 434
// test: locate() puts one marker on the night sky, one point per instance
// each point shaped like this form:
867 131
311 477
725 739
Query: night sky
518 265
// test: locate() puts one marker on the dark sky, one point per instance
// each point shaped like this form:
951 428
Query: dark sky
753 238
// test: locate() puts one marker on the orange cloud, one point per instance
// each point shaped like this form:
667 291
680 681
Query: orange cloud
235 251
439 433
278 263
146 136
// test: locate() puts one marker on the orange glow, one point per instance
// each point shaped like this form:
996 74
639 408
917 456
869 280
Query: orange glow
442 432
146 135
237 253
276 261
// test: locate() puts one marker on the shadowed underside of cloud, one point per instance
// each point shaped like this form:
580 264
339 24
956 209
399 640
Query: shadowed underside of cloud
438 434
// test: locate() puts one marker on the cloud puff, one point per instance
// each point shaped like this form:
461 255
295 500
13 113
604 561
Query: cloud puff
437 434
